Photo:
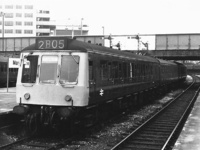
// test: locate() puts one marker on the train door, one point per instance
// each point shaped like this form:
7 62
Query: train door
92 81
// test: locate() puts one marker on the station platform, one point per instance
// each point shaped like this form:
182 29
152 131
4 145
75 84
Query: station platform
7 99
189 138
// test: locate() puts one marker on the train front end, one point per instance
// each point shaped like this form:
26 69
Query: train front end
52 82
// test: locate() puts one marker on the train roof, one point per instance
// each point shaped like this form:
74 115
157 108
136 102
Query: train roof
166 62
72 44
180 64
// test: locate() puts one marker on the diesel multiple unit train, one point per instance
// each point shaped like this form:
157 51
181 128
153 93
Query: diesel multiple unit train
61 79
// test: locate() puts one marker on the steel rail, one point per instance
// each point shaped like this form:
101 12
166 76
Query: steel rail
151 119
181 119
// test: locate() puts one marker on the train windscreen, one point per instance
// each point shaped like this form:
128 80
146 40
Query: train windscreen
69 69
29 71
48 69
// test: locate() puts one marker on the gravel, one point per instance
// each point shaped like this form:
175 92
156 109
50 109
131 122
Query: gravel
115 130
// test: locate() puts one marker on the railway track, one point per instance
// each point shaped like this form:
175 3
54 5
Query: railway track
40 143
161 130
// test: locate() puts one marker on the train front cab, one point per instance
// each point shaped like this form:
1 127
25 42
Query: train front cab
52 82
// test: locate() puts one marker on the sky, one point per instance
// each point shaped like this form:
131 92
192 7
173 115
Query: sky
129 16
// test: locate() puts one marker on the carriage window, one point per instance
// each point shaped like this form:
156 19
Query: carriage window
133 69
48 70
5 68
120 70
115 73
130 70
91 77
29 70
109 70
69 69
103 70
2 68
125 70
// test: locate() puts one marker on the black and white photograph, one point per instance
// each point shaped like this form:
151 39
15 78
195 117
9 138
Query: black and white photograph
99 75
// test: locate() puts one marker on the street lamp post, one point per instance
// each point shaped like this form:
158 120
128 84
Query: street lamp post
72 28
2 15
103 36
72 31
81 26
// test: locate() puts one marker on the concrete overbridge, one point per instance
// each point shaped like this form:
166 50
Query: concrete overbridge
167 46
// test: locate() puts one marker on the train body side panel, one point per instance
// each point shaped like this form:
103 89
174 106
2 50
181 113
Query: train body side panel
53 95
115 77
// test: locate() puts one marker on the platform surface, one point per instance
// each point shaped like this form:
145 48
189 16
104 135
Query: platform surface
7 99
189 138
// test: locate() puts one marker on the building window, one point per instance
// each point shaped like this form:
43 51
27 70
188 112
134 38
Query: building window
42 19
8 31
28 6
28 31
18 31
8 15
28 15
18 15
0 6
43 12
28 23
0 31
18 23
9 6
18 7
8 23
0 23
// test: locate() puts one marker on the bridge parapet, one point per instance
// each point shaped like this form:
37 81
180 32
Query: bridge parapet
175 54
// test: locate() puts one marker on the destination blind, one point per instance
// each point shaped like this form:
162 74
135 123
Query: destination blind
51 43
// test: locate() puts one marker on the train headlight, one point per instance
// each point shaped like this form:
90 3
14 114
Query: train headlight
68 98
27 96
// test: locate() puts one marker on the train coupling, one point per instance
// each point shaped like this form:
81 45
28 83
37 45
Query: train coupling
20 109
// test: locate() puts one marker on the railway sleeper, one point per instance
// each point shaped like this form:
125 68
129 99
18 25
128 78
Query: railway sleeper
144 135
158 129
164 122
143 146
149 139
146 142
151 133
162 126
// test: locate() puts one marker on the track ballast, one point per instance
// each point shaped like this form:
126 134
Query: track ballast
160 131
